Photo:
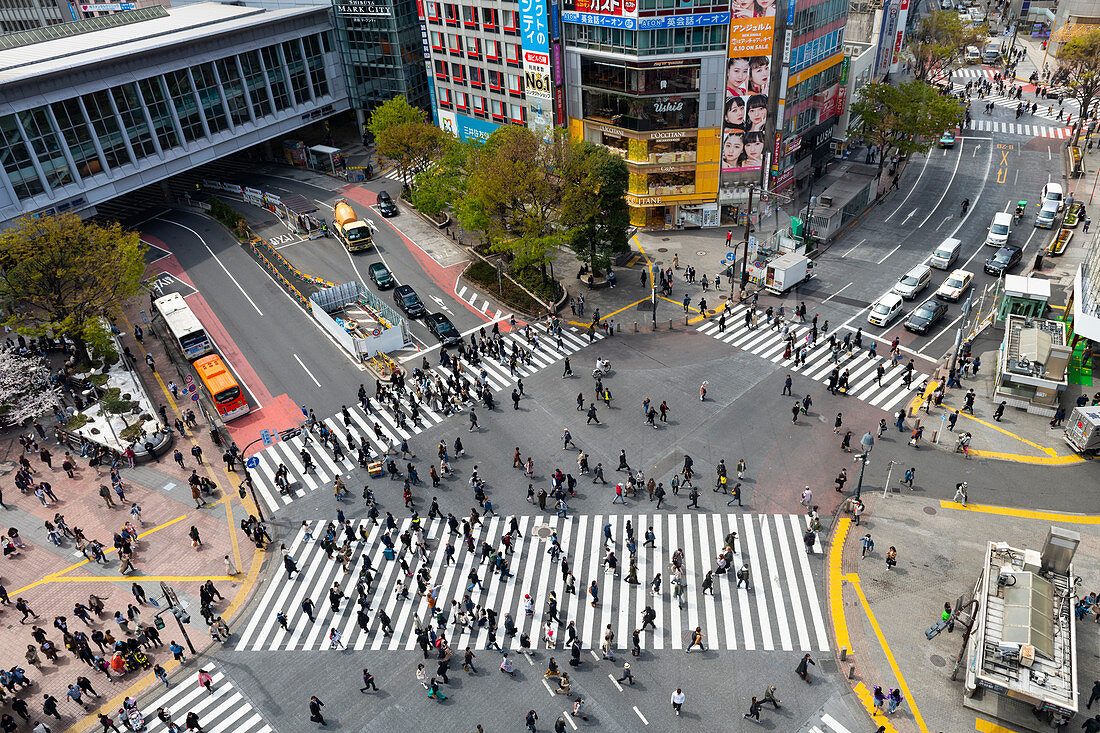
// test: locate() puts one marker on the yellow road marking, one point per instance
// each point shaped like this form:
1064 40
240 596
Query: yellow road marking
984 726
902 684
868 701
57 576
1023 513
1051 457
836 600
612 313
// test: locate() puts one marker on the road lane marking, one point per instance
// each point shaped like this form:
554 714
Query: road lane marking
895 249
853 249
220 263
569 719
302 364
945 188
614 682
639 712
911 190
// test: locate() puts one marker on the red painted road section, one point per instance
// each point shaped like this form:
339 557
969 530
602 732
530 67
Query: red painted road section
445 277
275 413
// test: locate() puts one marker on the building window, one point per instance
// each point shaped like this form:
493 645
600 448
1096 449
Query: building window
157 103
16 160
515 85
473 48
450 13
489 19
43 140
479 104
445 97
292 52
133 120
461 100
640 113
495 83
275 77
454 44
315 59
207 87
75 133
187 109
458 74
441 70
477 79
498 110
492 51
519 114
511 22
257 87
512 55
106 128
469 16
438 41
233 89
431 10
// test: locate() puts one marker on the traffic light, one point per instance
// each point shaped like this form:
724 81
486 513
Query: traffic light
158 622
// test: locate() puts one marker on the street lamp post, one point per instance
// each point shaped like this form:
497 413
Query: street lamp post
862 459
867 442
283 435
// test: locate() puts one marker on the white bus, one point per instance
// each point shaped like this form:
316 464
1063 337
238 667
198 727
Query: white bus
184 326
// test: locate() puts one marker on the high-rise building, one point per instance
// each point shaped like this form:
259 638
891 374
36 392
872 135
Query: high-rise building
25 15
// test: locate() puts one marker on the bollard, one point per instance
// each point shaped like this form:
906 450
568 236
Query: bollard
686 322
851 671
843 653
669 324
635 327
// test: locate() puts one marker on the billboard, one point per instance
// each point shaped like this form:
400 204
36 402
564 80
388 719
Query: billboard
748 85
627 8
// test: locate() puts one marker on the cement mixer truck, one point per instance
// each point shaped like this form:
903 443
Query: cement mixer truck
355 234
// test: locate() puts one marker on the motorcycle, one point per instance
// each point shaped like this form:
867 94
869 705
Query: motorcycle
1018 214
603 368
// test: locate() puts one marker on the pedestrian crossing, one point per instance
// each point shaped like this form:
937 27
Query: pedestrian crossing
472 296
381 429
768 343
827 724
1013 128
1047 108
973 72
224 710
782 610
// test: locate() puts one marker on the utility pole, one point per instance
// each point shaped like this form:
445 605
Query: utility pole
745 252
959 336
283 435
178 612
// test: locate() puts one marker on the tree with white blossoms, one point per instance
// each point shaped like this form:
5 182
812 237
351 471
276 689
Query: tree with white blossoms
25 388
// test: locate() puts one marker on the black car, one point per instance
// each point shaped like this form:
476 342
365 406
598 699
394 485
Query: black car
442 328
386 206
1003 260
925 315
380 275
408 301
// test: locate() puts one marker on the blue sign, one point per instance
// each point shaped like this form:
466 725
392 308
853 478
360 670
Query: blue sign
195 397
532 18
556 30
644 24
252 462
790 12
730 256
265 436
470 128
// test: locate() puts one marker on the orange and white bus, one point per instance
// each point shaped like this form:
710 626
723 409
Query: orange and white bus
223 388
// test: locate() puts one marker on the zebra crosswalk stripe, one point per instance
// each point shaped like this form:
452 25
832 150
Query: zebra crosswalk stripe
769 344
225 709
379 427
731 617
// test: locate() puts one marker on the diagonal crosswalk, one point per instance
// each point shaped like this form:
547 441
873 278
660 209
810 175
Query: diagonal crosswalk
768 343
782 610
225 710
380 427
480 302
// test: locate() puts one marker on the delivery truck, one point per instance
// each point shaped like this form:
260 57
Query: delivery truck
787 271
355 234
1083 429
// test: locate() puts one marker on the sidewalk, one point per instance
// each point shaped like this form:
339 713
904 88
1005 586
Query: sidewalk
52 578
879 616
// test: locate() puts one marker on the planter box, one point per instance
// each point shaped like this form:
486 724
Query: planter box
1058 246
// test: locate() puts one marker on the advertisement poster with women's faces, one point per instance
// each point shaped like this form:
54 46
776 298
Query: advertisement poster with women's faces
748 79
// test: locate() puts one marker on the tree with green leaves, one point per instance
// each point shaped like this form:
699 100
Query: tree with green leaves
61 275
403 135
593 206
441 185
1079 71
938 45
904 119
512 196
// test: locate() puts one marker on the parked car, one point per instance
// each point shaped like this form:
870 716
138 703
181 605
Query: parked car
380 275
885 310
1003 260
955 285
442 328
407 300
925 316
386 206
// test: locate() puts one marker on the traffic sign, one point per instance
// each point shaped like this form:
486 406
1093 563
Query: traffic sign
190 379
192 388
731 256
195 397
265 436
252 462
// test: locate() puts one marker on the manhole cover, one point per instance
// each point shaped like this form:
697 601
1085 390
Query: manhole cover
937 660
929 510
659 262
724 297
665 239
662 249
543 531
701 252
712 311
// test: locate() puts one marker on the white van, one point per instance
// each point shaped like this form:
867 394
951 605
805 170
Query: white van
945 254
999 229
885 309
911 283
973 54
1052 192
